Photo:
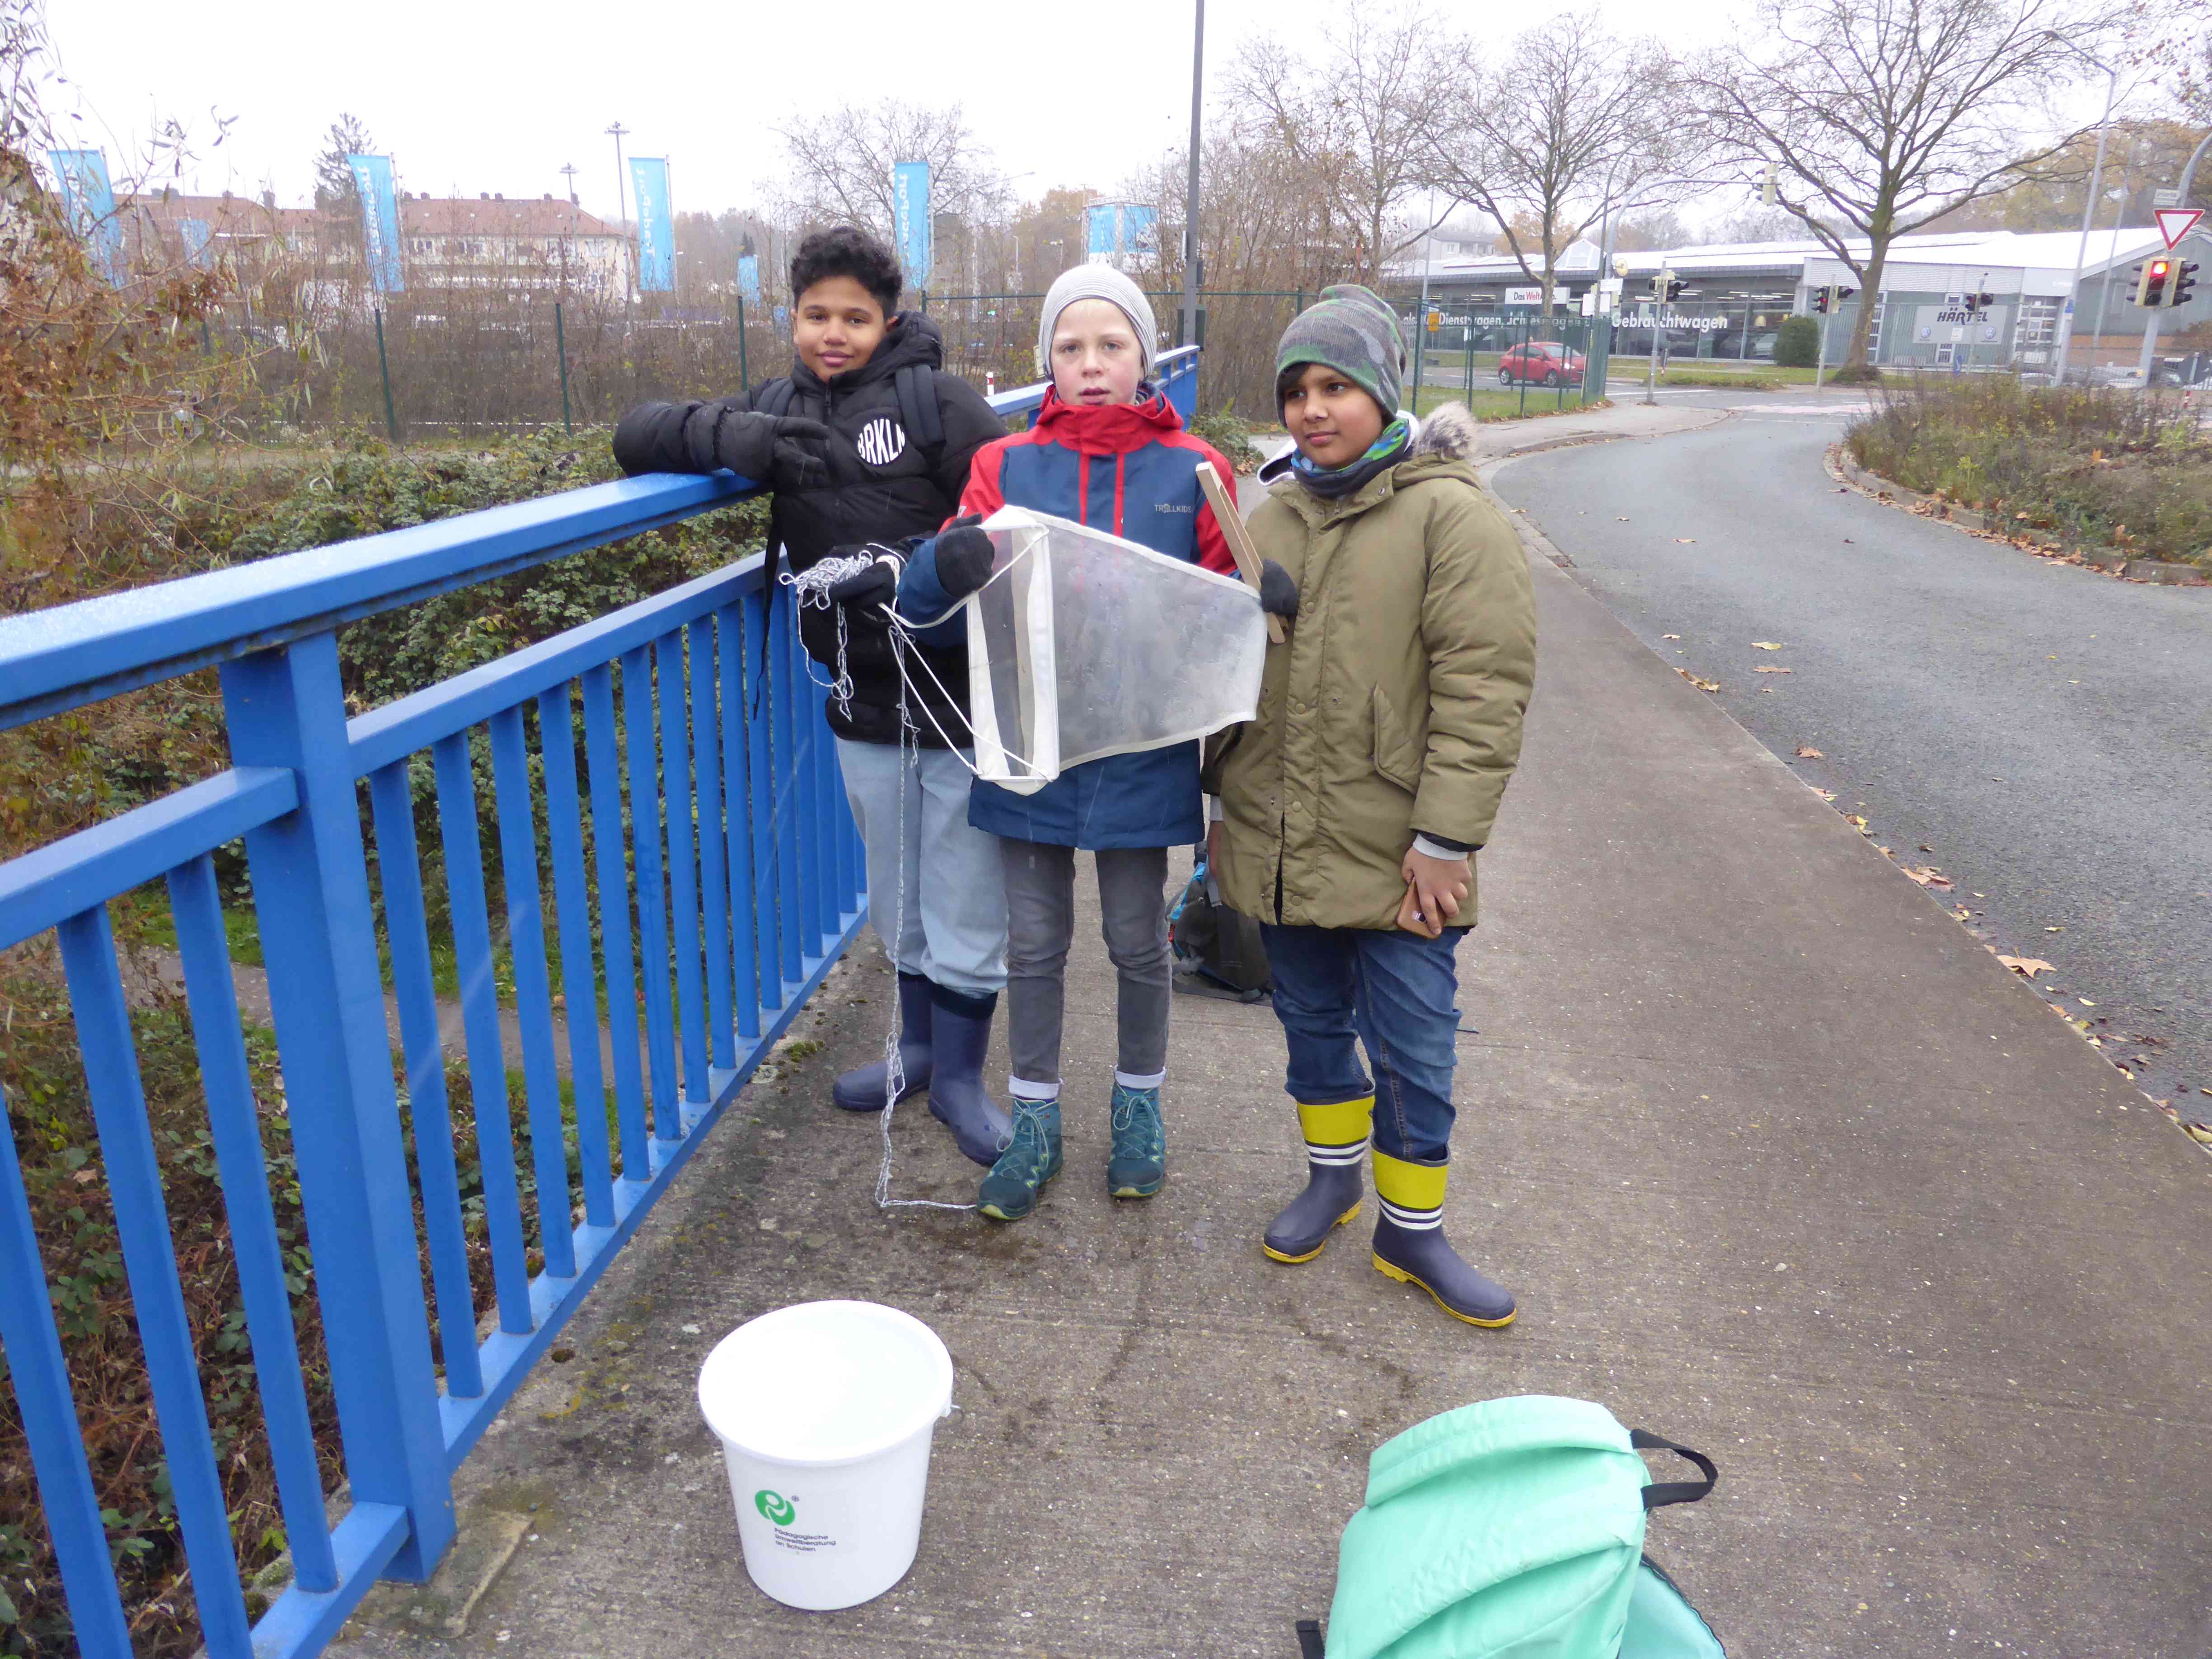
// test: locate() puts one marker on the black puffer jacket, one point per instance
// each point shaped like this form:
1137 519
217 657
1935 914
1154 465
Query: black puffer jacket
884 485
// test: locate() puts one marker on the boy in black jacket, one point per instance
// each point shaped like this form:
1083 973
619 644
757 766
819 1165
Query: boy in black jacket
867 440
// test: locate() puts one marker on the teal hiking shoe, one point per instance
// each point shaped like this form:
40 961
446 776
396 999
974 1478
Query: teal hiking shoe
1139 1166
1011 1190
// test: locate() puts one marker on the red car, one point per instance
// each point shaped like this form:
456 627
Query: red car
1545 363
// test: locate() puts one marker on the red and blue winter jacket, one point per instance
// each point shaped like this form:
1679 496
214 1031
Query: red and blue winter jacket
1130 469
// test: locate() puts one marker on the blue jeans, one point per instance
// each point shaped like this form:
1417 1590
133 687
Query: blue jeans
1397 994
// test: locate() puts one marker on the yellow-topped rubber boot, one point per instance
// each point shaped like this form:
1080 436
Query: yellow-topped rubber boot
1336 1146
1410 1245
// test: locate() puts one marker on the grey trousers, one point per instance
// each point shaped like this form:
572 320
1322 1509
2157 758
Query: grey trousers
1041 925
953 930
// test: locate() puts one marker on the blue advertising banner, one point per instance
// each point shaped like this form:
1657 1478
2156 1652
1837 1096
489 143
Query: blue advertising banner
656 224
89 201
1124 234
911 226
749 278
379 221
196 240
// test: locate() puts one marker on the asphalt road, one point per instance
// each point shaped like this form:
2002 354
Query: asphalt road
2039 734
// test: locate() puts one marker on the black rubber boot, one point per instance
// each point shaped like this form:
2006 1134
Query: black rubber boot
960 1032
1330 1199
862 1089
1336 1146
1411 1247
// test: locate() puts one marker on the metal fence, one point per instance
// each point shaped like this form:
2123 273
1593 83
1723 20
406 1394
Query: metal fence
1557 362
705 874
447 364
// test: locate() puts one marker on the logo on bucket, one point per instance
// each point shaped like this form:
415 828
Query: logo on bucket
775 1506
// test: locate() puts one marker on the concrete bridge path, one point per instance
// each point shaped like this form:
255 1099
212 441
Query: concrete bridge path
1781 1162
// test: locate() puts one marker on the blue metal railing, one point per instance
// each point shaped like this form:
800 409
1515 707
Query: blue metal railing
724 877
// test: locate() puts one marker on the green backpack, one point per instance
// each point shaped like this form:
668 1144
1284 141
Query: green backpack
1512 1529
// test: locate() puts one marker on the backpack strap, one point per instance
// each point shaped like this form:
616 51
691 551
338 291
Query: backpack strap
916 386
1660 1493
775 398
1309 1643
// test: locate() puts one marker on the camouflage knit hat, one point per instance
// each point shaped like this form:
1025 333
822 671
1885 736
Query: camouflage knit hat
1353 331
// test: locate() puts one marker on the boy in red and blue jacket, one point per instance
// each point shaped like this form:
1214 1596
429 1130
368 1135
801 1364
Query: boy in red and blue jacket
1107 450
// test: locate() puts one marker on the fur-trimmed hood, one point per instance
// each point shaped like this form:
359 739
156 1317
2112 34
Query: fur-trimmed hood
1446 432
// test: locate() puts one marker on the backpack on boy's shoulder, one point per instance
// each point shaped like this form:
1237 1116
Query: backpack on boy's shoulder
1512 1529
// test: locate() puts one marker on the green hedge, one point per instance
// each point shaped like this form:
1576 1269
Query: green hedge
1797 343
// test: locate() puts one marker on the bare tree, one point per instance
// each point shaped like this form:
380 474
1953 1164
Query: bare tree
1571 127
1883 115
840 165
1356 122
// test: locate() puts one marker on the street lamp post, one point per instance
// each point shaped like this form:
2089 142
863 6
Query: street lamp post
2088 208
619 132
1192 276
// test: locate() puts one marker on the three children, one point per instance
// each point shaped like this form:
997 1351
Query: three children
1349 809
1351 806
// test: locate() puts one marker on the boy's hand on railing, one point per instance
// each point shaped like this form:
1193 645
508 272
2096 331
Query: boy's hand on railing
784 451
963 557
1278 591
1434 888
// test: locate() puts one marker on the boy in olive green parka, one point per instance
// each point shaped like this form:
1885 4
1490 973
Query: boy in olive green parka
1351 807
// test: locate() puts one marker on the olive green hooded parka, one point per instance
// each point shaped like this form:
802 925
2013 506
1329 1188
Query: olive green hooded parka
1395 705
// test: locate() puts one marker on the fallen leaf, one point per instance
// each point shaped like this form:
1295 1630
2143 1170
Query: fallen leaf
1847 541
1771 668
2199 1132
1807 752
1686 541
1825 794
2084 1002
1621 521
1928 876
1766 645
1702 685
2026 967
1858 823
1670 636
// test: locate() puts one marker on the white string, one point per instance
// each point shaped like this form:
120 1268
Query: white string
810 590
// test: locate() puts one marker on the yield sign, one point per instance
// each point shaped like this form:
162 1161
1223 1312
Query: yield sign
2174 223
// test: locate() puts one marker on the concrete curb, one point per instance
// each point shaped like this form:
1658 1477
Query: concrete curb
1849 472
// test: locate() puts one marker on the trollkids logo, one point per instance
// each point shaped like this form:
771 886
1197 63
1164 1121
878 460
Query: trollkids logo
775 1507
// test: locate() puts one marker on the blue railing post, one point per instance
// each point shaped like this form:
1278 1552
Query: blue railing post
285 708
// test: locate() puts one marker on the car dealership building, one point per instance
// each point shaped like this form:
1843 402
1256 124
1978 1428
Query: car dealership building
1928 311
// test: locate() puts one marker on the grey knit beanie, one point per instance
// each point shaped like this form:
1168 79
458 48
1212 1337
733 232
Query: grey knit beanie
1353 331
1097 282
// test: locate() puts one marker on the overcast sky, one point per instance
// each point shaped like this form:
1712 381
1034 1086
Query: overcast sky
469 97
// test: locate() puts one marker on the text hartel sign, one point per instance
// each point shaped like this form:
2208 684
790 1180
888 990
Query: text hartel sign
2174 223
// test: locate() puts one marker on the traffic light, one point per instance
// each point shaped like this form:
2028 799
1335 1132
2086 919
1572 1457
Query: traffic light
1982 301
2150 287
1844 294
1821 299
1668 286
2184 282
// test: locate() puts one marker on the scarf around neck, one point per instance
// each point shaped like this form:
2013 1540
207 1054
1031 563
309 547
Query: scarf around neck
1332 483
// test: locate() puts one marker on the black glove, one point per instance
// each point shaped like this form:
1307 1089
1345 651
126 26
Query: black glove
1278 591
876 585
650 438
963 556
783 452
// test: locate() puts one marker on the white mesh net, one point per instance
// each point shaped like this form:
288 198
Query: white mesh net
1084 645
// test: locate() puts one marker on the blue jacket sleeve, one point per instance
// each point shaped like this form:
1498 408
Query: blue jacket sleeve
922 598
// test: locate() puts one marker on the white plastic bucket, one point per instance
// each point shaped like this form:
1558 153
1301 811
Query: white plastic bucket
825 1411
